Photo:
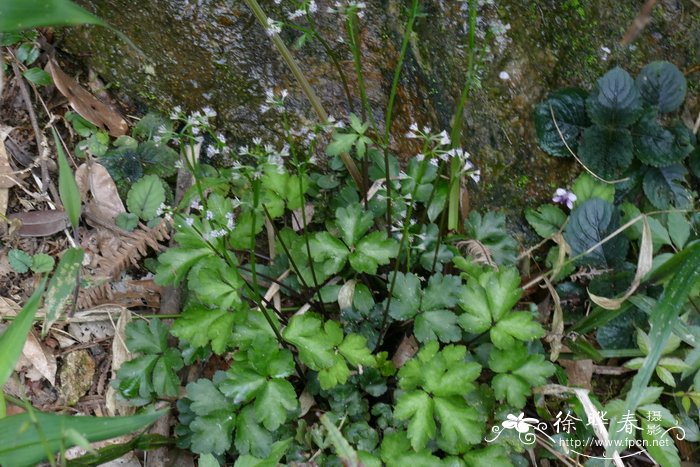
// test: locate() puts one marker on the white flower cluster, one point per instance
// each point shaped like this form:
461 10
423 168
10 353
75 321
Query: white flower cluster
349 6
274 101
440 152
304 8
273 27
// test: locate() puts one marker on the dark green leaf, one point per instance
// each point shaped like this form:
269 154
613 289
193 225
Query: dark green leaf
663 85
59 293
251 437
569 110
657 146
588 225
664 188
145 197
490 229
67 188
606 151
615 101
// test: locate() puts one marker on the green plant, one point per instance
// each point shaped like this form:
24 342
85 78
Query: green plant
625 128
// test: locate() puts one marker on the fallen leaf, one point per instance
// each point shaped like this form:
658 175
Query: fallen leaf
95 178
40 223
38 357
77 373
87 105
298 220
579 372
120 354
6 181
406 350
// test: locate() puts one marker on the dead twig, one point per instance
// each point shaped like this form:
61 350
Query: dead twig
640 22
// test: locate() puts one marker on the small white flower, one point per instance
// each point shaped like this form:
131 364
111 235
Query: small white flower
504 75
230 221
209 112
295 14
420 157
313 8
257 141
476 176
221 138
209 215
444 138
189 221
273 27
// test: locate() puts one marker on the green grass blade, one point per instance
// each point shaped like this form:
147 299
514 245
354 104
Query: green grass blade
17 15
662 321
67 188
12 340
20 441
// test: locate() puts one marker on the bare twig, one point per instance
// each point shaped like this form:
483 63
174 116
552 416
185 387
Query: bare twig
640 22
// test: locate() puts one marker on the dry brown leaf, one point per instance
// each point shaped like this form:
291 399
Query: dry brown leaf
6 181
298 219
40 223
38 357
557 330
87 105
94 177
306 401
644 263
406 350
579 372
120 354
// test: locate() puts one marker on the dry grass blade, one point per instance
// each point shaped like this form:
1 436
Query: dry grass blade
595 420
478 251
557 332
644 263
87 105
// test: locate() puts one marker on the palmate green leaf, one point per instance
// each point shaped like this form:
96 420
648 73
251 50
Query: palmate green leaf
212 428
145 197
212 433
546 220
353 222
588 225
488 301
396 452
17 16
216 283
134 378
314 340
147 337
664 188
274 403
242 383
569 107
373 250
491 456
518 372
615 101
342 143
460 425
490 229
330 250
406 296
25 438
251 437
200 326
437 325
277 450
520 326
12 340
606 151
175 262
417 407
67 187
59 294
354 349
663 85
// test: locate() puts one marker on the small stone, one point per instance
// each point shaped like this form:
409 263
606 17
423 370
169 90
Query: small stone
77 373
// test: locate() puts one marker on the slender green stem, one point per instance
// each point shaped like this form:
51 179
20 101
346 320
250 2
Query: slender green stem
353 34
456 131
404 235
388 121
305 87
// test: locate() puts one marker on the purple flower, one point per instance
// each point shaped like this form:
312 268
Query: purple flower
563 196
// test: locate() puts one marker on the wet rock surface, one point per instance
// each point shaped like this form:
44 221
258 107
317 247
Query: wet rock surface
214 53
